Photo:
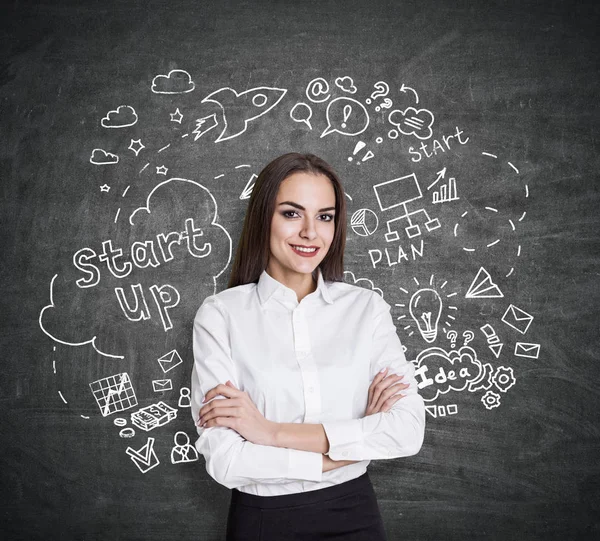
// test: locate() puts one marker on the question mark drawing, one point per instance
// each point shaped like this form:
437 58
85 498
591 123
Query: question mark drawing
385 104
452 336
468 336
382 89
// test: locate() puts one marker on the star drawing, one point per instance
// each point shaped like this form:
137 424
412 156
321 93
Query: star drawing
136 145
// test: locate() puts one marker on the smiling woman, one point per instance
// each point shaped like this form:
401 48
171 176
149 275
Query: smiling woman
297 375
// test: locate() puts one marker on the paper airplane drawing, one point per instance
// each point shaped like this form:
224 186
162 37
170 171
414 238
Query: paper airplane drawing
240 109
483 287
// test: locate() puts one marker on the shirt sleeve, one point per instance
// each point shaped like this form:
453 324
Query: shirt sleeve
230 459
393 434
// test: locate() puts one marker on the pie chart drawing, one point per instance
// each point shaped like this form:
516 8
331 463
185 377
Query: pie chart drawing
364 222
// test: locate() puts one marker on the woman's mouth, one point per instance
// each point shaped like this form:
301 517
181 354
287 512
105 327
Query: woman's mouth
304 251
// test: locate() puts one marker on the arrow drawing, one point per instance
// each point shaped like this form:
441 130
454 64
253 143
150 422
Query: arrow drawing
404 88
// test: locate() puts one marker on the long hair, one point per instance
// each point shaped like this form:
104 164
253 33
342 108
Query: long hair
253 251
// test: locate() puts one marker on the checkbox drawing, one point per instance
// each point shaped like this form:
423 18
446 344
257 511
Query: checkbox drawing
145 458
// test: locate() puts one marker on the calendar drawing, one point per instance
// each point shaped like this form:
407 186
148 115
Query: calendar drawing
114 393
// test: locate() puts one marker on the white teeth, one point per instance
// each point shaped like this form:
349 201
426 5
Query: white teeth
308 250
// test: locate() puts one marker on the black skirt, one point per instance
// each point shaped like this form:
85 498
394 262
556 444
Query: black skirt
344 512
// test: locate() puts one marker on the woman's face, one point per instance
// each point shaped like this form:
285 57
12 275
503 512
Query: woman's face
302 226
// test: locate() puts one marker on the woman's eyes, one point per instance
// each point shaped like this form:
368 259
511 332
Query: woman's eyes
294 214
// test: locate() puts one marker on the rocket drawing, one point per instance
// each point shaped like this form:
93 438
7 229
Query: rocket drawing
240 109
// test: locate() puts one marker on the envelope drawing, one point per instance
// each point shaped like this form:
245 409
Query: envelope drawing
170 360
518 319
145 458
159 385
523 349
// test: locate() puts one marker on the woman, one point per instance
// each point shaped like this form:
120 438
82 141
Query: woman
289 390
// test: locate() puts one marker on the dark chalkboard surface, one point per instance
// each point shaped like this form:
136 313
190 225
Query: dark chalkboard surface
466 137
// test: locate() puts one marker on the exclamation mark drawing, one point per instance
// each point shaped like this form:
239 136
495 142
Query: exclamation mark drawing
359 146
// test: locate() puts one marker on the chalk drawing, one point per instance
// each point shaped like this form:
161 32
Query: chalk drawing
491 400
247 191
136 146
204 125
357 148
483 287
105 188
530 351
316 89
114 393
176 116
446 192
382 89
411 121
127 432
426 308
439 372
301 112
346 116
346 84
161 170
185 400
518 319
101 157
504 378
175 82
170 360
399 192
492 339
144 458
122 117
161 385
183 451
405 88
364 222
153 416
91 341
239 109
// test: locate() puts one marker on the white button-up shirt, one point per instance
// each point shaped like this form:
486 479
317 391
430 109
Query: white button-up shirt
302 362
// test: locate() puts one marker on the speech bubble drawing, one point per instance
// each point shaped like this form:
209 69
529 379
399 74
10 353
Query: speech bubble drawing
439 372
301 112
134 285
346 116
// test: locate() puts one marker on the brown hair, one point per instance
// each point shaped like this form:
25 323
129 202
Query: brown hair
253 251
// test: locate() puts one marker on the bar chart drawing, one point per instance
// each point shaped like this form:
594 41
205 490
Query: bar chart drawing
446 192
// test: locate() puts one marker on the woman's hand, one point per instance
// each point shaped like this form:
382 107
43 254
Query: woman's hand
382 392
237 412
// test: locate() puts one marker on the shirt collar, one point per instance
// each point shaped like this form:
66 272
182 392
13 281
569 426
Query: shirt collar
268 286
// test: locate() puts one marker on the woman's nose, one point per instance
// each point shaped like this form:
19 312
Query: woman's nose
308 229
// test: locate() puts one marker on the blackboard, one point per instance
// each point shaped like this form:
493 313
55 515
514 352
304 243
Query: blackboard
466 136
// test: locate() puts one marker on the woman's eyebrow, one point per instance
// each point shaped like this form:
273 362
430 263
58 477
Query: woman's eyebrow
300 207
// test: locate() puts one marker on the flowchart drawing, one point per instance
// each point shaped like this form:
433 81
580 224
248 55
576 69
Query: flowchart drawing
399 192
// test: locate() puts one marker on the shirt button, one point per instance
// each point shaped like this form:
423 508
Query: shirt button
311 389
345 453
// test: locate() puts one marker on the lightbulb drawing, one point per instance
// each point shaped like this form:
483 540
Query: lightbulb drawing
426 308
